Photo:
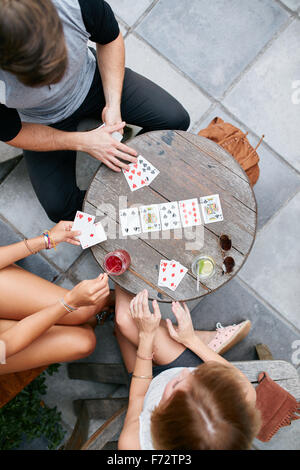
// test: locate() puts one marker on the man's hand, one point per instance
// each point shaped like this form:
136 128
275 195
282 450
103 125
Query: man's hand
101 145
111 115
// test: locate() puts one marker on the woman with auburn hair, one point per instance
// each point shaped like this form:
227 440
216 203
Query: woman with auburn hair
42 323
183 394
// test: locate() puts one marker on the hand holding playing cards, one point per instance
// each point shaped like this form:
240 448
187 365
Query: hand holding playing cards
88 292
100 144
146 321
184 332
62 232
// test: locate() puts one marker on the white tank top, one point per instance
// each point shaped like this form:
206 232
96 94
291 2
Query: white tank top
152 399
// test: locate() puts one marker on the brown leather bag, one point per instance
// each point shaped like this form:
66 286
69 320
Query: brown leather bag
236 143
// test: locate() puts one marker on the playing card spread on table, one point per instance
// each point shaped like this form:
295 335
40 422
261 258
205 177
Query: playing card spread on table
130 221
189 212
169 215
211 209
140 174
171 274
150 218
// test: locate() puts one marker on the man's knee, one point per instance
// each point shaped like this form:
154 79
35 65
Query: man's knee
178 118
183 120
58 209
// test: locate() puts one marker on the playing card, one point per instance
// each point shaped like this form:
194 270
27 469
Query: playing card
149 171
169 215
134 177
130 221
162 277
97 235
171 274
117 135
150 218
211 209
83 222
189 212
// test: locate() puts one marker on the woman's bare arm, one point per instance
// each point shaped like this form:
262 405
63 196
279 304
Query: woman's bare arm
147 324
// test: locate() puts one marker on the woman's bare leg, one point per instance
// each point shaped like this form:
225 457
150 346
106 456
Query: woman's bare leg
23 293
165 348
58 344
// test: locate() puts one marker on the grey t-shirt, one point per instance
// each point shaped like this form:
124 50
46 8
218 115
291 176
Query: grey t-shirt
82 20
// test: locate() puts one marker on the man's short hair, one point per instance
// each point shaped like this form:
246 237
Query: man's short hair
32 43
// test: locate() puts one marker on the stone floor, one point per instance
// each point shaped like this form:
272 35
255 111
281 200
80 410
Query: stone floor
237 60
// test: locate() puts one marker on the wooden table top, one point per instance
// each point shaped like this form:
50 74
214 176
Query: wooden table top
190 167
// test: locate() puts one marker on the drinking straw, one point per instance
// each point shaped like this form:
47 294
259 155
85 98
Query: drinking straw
198 277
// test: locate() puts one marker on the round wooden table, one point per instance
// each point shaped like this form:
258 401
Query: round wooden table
190 167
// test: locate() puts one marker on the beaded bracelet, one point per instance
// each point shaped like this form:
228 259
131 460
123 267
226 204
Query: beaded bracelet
49 242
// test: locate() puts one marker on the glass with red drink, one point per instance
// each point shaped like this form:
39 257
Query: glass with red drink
117 262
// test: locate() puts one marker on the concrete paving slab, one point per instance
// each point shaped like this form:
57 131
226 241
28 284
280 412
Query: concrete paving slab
267 98
129 10
144 60
273 266
212 42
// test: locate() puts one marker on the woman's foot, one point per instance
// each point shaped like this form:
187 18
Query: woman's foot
228 336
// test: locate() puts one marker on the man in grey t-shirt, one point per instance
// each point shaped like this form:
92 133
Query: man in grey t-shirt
50 80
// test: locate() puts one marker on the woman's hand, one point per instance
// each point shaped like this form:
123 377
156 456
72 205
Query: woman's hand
146 321
88 292
184 333
100 144
62 232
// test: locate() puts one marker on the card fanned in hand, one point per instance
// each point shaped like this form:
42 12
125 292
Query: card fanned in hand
91 234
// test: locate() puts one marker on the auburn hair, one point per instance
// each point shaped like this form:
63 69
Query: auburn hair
32 43
212 415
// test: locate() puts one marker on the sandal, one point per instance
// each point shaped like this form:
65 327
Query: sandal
228 336
105 315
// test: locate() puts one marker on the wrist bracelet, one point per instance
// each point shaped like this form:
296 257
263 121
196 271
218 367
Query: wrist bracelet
67 307
47 240
145 358
142 376
28 247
